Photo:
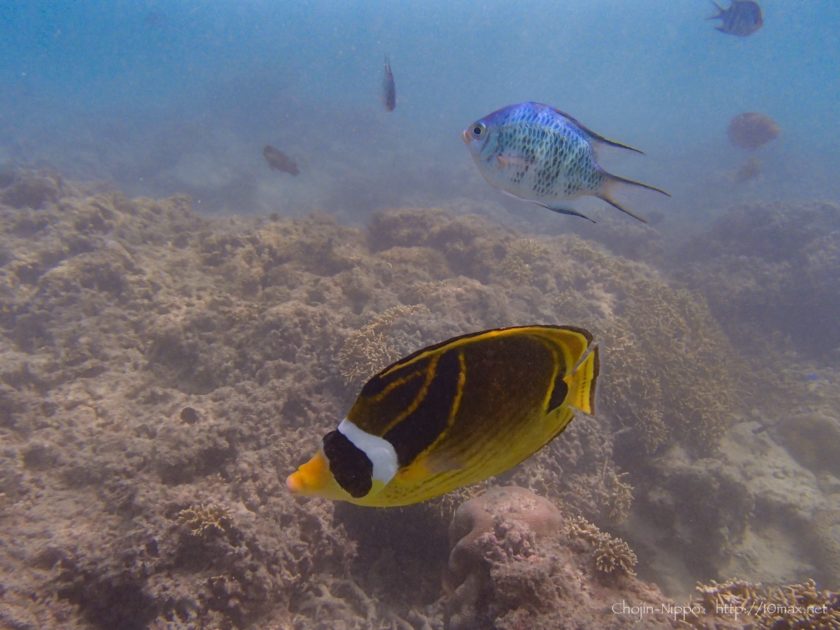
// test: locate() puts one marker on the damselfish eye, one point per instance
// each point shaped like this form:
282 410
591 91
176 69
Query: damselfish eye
477 130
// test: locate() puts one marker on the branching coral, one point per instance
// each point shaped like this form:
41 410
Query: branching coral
611 556
614 557
779 607
605 496
370 349
206 520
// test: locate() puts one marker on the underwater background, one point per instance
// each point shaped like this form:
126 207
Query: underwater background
181 322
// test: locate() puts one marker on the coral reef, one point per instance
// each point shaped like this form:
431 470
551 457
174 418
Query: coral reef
162 372
772 267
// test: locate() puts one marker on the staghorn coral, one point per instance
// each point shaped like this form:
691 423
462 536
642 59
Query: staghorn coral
783 607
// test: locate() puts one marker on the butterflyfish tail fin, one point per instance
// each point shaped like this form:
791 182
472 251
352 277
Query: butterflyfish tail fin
581 381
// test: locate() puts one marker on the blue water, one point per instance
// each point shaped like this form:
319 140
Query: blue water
161 97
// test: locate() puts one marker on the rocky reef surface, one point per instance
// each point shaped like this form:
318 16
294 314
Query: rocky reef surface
162 372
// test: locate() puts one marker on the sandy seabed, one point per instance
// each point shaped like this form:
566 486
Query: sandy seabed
162 372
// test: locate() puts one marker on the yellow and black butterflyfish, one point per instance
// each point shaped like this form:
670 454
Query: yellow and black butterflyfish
454 414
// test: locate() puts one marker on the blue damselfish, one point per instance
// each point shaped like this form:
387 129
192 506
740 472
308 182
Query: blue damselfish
537 153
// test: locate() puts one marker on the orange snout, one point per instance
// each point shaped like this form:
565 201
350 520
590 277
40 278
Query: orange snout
311 477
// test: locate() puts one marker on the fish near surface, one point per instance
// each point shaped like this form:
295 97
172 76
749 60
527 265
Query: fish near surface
537 153
454 414
742 18
279 161
389 88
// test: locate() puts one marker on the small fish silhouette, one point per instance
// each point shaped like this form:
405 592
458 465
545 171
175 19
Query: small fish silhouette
389 88
742 18
279 161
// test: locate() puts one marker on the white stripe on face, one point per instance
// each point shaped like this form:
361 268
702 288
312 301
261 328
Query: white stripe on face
378 450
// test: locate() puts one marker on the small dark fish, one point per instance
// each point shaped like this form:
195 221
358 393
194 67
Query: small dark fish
742 18
389 89
279 161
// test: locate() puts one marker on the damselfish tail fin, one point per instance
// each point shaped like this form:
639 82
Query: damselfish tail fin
606 192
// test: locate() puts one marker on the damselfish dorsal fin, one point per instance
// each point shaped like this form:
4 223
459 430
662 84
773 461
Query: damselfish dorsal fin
596 136
720 11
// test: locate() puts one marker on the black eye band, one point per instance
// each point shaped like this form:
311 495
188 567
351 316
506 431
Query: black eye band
348 464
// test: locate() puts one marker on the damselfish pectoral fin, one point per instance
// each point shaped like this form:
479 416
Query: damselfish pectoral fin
511 161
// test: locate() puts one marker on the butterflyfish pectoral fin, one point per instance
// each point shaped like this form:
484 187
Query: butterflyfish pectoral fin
427 465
